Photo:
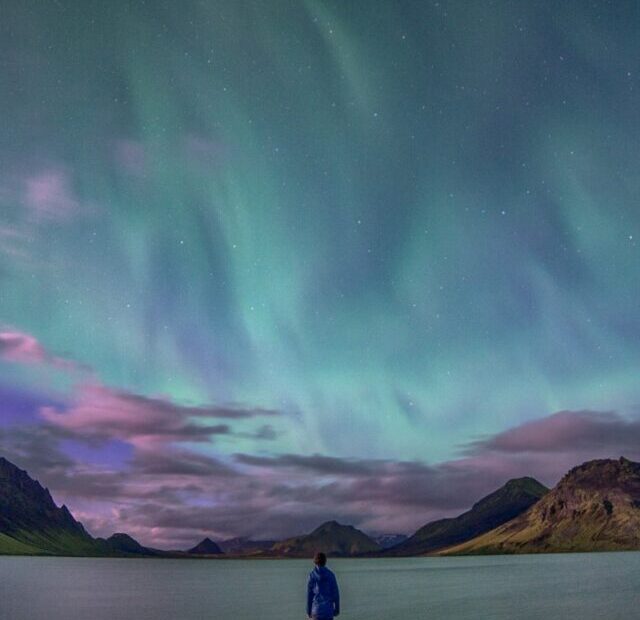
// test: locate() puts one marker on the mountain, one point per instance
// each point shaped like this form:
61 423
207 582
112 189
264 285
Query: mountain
206 547
245 546
501 506
31 523
386 541
123 544
331 537
595 507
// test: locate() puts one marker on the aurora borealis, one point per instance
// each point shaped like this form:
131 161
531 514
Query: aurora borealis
303 259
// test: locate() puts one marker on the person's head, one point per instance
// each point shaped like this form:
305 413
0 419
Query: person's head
320 559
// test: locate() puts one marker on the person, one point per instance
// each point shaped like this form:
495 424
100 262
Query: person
323 596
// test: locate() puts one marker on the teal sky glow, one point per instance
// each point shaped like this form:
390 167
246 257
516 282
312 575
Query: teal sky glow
399 226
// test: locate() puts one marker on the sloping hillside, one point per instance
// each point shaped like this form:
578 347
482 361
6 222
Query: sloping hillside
501 506
595 507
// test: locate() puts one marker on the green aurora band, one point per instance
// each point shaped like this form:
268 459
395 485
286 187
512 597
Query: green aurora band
403 225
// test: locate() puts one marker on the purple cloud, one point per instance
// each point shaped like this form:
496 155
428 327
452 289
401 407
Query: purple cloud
565 430
130 155
12 241
22 348
49 195
22 405
203 151
35 195
100 412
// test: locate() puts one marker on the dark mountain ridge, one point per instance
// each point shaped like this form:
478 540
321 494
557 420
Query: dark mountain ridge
497 508
331 537
206 547
245 546
31 523
25 504
123 544
386 541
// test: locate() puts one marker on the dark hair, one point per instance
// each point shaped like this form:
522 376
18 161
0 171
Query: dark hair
320 559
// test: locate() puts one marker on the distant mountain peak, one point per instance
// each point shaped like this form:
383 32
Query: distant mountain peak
328 526
206 547
601 471
517 488
331 537
525 482
386 541
123 543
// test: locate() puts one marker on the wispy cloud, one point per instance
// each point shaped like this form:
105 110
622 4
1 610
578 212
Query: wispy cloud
199 152
33 197
12 241
98 411
565 430
203 150
49 195
23 348
131 157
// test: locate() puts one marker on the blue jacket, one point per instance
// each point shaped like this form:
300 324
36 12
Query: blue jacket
323 597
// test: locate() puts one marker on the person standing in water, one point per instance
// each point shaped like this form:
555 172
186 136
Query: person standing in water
323 596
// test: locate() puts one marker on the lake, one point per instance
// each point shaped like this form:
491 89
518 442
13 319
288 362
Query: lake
601 586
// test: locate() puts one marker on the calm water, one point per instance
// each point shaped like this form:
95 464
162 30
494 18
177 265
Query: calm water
582 586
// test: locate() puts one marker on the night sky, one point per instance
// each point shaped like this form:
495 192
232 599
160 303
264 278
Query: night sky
268 263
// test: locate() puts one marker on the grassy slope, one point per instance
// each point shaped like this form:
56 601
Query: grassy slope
11 546
48 543
601 513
